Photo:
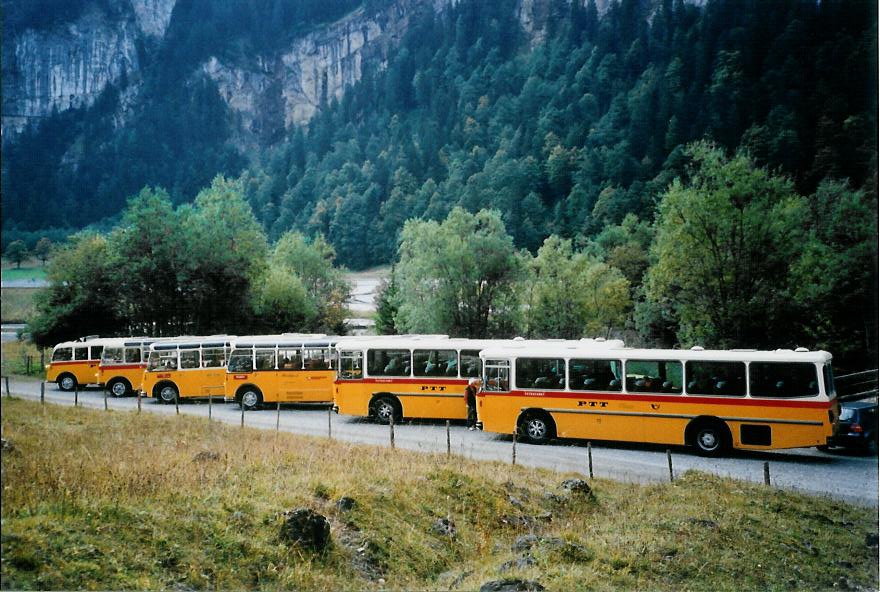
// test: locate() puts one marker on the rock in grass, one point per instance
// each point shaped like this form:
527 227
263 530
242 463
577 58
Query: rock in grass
345 504
511 585
444 527
524 543
577 486
306 528
523 562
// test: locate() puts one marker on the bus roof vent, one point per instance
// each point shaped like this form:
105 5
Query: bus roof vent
518 338
801 350
599 340
698 348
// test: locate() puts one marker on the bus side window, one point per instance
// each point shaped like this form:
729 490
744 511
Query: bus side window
97 351
189 359
62 354
653 376
471 367
133 355
783 380
594 375
81 353
265 359
716 378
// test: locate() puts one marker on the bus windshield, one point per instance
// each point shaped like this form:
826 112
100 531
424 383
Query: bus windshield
241 360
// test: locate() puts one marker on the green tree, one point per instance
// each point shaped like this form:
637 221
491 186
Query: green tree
43 249
458 276
225 251
387 303
571 295
148 265
834 281
281 303
17 252
82 295
724 243
311 262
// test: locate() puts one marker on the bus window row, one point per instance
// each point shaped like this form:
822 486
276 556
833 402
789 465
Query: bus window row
713 378
186 359
419 363
77 353
248 360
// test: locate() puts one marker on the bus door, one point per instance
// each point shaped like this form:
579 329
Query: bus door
265 376
213 372
290 376
317 368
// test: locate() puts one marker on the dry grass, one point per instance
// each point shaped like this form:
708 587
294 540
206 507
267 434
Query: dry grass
17 304
96 500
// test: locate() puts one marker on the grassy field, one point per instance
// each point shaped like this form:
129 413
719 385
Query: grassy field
30 270
98 500
17 304
14 360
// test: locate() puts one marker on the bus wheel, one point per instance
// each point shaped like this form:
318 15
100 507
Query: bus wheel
67 382
167 393
537 427
384 409
710 438
250 399
119 387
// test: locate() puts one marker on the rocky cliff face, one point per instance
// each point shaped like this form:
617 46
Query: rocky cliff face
272 94
68 65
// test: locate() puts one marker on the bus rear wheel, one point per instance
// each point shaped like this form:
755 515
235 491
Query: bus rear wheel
250 399
67 382
119 387
384 408
709 438
537 427
167 393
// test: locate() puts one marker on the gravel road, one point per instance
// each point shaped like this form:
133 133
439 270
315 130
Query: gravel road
836 475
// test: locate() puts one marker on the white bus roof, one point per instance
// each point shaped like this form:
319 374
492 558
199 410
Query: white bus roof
554 350
104 341
188 342
284 340
444 342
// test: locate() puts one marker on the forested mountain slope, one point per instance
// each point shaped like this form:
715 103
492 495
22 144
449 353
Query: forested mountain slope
586 127
562 117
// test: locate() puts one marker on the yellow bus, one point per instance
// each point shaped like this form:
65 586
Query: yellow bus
710 400
411 376
123 363
75 362
287 368
187 367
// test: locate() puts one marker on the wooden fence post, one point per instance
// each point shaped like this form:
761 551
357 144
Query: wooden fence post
42 392
139 400
513 453
106 408
242 414
590 457
210 406
76 395
767 473
7 386
330 422
669 462
448 441
391 429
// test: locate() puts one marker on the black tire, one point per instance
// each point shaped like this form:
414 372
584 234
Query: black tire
66 382
384 408
250 398
823 448
536 427
119 387
710 438
166 393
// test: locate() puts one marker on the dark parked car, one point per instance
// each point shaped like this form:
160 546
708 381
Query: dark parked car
858 427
